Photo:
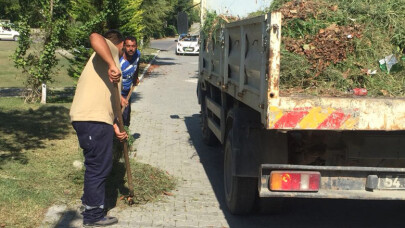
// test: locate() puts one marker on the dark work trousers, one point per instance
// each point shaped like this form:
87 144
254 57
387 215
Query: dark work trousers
126 114
96 140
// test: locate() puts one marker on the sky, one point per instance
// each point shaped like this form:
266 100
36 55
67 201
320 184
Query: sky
237 7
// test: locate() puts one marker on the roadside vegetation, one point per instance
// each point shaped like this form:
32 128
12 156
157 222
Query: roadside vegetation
330 47
337 45
12 77
38 147
66 25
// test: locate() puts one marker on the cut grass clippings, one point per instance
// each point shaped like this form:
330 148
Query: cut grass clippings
149 184
37 149
330 47
337 43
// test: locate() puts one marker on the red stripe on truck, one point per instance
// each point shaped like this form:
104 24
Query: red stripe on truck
334 120
290 120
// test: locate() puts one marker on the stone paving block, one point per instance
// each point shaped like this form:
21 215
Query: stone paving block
209 224
186 223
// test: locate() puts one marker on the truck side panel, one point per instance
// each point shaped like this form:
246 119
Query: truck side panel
242 48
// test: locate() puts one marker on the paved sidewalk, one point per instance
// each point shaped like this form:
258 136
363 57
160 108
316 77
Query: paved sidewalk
166 116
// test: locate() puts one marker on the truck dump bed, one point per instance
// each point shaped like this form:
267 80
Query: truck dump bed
245 63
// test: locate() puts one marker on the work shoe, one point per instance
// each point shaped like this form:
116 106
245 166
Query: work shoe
106 221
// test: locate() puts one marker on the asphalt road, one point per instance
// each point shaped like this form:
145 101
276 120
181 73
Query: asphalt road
166 44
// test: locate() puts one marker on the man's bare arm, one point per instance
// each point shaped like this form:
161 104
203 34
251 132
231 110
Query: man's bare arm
100 46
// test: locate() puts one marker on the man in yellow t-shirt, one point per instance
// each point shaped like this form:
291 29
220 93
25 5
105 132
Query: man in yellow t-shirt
93 117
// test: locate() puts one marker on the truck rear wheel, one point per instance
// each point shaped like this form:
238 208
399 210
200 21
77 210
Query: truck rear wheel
240 192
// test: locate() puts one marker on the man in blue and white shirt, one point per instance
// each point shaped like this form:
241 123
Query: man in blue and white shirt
129 66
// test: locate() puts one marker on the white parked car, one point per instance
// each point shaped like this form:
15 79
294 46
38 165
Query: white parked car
187 44
7 33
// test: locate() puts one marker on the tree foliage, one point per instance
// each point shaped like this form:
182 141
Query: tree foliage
87 16
186 6
39 64
72 21
9 9
132 18
155 17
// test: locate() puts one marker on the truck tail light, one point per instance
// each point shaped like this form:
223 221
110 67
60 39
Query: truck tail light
306 181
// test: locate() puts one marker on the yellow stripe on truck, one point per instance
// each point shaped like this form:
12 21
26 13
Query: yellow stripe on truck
275 114
315 117
349 124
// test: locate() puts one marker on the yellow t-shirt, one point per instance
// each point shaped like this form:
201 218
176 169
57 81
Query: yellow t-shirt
95 94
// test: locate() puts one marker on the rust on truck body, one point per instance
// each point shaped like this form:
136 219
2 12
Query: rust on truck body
329 113
274 56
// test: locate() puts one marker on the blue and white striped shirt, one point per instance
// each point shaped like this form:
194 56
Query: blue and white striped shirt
128 69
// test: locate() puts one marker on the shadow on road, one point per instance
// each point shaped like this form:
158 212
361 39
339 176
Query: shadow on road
135 97
68 218
164 61
297 212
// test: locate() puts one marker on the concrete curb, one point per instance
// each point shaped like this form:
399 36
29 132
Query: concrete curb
147 67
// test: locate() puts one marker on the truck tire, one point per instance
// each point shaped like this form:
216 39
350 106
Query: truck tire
207 135
15 38
240 192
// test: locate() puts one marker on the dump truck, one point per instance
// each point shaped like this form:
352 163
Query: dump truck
284 145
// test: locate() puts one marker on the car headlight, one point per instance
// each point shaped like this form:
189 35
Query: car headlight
179 44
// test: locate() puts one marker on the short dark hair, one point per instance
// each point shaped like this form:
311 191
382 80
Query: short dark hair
114 36
132 38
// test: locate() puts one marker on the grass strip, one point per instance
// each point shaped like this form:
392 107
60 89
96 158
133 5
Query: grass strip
37 149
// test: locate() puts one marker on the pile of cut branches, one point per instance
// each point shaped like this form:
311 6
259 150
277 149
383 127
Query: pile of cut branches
212 25
332 46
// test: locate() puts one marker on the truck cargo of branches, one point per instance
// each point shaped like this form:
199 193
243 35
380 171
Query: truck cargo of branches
292 145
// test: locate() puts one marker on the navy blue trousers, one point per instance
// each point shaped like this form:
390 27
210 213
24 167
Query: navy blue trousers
96 140
126 114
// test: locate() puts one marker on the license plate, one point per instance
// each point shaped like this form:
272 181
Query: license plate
391 182
189 49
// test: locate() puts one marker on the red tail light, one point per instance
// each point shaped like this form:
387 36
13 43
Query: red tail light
294 181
